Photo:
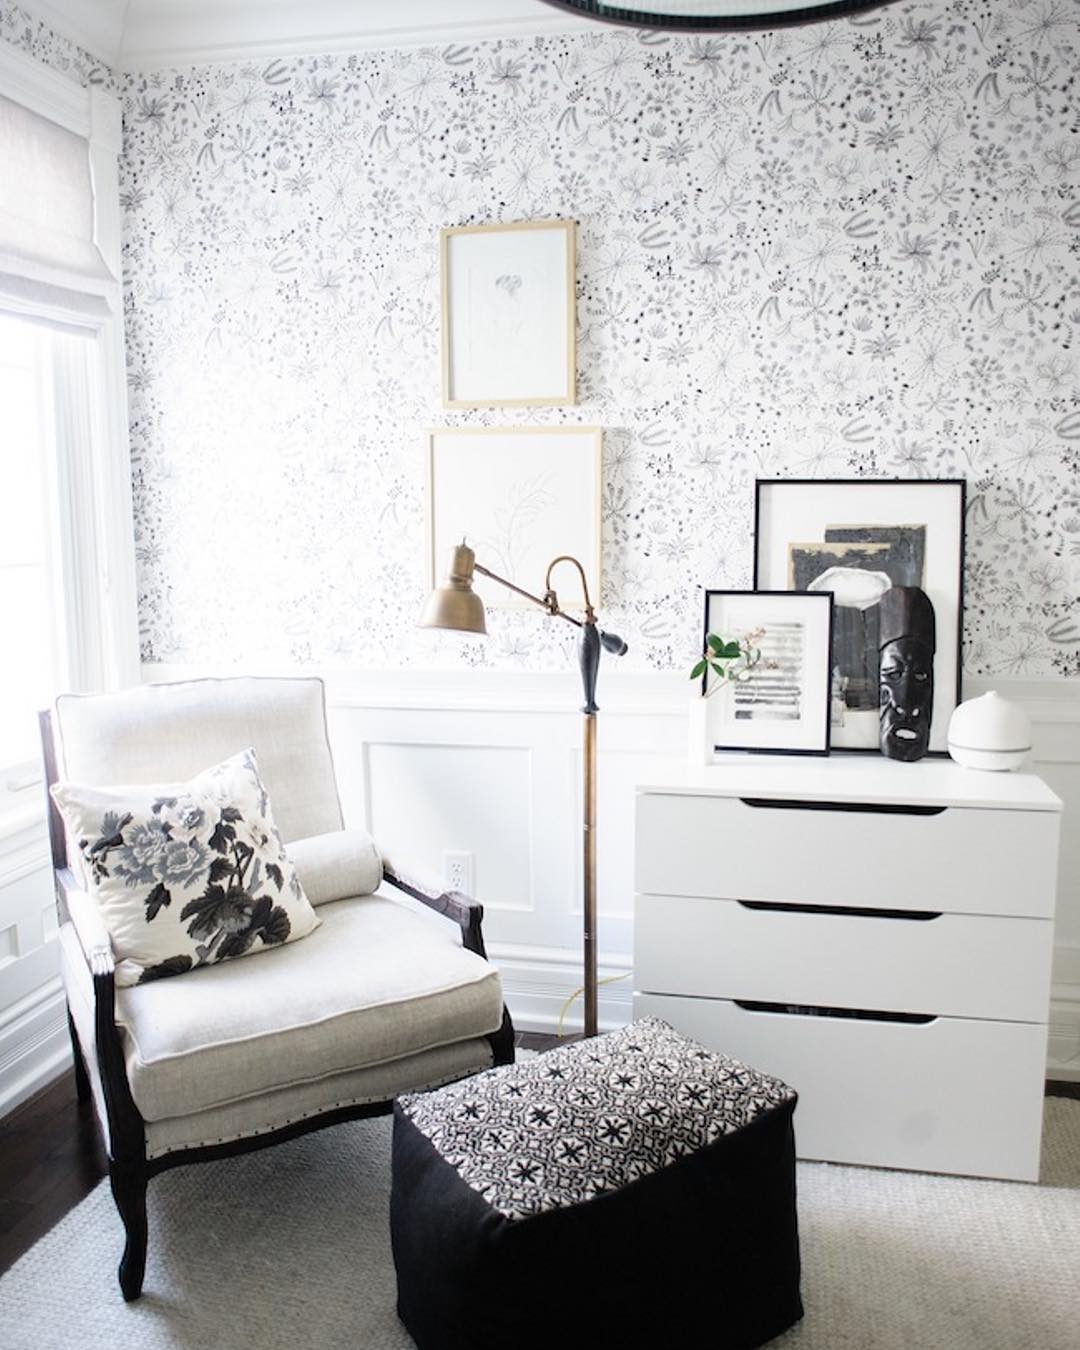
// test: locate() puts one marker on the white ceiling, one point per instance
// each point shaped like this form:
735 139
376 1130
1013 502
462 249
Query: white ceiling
129 34
96 25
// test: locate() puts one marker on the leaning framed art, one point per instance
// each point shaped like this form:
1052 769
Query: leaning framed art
766 672
508 315
519 496
856 538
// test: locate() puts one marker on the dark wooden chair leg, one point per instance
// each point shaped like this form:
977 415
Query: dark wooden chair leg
82 1078
502 1041
129 1192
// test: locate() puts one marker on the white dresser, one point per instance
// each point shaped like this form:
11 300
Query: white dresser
877 934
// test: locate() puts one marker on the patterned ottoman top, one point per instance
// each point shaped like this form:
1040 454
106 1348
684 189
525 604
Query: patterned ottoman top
559 1129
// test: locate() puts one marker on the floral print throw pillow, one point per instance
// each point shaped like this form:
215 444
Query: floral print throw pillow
186 875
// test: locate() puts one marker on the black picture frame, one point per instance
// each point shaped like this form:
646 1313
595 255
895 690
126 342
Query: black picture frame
760 686
945 586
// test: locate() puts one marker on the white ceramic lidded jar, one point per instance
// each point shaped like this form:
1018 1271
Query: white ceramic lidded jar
990 732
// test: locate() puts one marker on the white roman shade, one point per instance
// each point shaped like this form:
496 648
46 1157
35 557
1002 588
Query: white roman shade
59 210
49 219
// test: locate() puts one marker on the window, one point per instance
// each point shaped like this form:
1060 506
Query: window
50 573
64 530
31 570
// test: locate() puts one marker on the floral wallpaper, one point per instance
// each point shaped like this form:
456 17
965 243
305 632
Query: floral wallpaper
32 35
843 250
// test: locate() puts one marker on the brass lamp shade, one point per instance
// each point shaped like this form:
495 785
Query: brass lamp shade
455 604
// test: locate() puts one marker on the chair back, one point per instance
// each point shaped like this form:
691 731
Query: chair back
167 733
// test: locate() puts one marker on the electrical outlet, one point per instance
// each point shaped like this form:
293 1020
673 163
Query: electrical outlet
458 871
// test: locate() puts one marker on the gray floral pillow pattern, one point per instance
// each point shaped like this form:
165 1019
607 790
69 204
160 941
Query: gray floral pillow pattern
187 875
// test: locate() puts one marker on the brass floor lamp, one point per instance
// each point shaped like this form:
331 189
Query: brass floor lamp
456 605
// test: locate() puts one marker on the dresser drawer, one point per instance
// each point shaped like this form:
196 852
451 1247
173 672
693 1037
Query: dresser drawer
962 965
959 859
952 1095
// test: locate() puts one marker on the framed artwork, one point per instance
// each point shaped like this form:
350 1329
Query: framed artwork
773 697
856 538
508 315
520 497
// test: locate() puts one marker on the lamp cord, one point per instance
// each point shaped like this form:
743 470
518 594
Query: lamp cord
608 979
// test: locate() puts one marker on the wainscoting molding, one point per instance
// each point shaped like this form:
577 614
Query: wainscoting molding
34 1044
533 923
489 764
1054 707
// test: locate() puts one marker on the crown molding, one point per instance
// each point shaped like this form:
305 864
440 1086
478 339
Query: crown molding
161 33
96 26
28 82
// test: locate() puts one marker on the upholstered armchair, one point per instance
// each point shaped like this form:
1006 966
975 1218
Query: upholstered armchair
380 999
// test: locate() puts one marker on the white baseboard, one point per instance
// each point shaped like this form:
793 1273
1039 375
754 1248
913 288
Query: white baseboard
34 1045
538 981
1063 1050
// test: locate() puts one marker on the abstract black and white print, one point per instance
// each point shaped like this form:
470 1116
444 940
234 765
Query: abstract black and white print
858 564
773 690
773 695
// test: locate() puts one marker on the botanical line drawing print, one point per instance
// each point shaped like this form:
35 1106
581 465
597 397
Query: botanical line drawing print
841 251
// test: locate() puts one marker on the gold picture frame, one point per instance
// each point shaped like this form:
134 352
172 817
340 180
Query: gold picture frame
508 315
520 496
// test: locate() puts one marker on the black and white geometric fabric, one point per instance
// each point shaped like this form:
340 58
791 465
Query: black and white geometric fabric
558 1130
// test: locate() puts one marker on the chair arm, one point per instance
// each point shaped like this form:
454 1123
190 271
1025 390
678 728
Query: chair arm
92 934
466 912
126 1139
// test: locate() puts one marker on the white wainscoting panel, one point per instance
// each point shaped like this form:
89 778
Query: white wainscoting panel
491 764
426 799
493 767
34 1044
643 729
1054 707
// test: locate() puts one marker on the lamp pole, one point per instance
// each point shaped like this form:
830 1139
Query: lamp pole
589 874
455 605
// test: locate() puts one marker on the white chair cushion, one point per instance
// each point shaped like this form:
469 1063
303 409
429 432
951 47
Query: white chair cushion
336 865
374 983
285 1106
165 733
186 874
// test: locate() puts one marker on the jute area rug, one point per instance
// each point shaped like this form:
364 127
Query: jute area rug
288 1250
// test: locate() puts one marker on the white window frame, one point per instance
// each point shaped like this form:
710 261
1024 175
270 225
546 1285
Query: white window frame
92 439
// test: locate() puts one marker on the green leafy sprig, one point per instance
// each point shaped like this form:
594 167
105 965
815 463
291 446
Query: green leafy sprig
730 659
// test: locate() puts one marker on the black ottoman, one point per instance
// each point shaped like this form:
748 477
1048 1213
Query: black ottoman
631 1190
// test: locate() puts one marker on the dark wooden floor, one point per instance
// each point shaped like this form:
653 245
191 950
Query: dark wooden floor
51 1157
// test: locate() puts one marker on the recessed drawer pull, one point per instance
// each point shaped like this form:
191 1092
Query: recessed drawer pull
855 911
863 808
858 1014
